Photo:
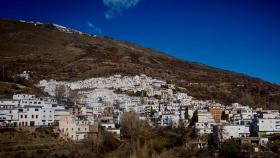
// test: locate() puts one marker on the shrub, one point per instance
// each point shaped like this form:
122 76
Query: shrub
231 149
275 146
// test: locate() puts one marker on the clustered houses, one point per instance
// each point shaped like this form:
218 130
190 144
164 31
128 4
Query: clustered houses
102 101
238 122
74 122
156 101
27 110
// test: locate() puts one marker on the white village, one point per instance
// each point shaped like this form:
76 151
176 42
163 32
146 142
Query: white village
101 102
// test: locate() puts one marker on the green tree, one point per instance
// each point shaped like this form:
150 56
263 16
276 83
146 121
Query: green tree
152 112
194 119
224 116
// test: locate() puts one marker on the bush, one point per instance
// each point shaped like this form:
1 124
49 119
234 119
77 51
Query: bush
275 146
158 144
110 142
231 149
39 151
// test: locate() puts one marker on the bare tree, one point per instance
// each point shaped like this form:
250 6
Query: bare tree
74 96
101 142
133 129
95 142
60 91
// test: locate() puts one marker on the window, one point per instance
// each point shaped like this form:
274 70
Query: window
25 116
36 109
21 116
32 116
36 116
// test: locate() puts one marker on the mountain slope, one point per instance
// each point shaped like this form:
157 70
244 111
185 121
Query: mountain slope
51 53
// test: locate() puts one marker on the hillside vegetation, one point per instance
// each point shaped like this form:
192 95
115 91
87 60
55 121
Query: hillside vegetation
52 54
29 142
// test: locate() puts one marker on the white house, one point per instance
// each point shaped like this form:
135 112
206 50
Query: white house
268 126
107 123
234 131
26 110
205 122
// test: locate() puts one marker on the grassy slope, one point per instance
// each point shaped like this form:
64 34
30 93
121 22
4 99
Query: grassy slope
28 142
49 54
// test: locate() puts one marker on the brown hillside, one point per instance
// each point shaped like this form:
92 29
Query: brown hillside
50 53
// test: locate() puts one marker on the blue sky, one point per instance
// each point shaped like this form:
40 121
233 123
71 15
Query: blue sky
237 35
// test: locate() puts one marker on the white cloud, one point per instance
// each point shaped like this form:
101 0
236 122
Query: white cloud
116 7
93 29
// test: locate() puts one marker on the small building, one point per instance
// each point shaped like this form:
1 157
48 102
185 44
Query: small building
268 126
205 122
74 128
216 113
234 131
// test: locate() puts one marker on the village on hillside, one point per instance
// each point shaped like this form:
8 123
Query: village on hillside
79 108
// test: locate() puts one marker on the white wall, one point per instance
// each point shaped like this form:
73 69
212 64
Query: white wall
235 131
269 125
